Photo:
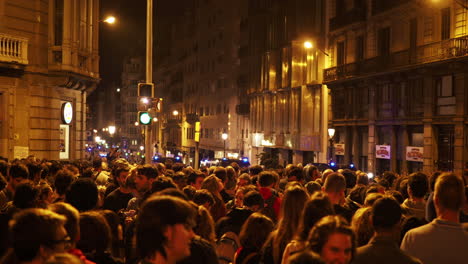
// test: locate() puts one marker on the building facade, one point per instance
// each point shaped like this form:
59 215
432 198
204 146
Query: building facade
398 83
49 62
197 78
282 61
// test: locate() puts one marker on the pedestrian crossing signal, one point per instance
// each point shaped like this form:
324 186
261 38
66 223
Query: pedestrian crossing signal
144 118
146 90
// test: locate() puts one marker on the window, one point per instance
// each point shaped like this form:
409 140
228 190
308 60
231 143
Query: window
444 86
383 43
360 48
58 23
445 27
340 53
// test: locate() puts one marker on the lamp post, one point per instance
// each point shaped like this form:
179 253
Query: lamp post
331 133
149 69
224 136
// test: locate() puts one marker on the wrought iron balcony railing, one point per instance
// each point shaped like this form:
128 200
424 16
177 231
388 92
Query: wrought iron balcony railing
433 52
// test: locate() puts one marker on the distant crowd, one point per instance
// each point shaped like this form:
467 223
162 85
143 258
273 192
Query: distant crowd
116 212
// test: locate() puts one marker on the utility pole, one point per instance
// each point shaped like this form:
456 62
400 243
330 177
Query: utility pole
149 71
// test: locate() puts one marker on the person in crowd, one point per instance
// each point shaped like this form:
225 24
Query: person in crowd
318 206
371 198
62 183
26 196
254 171
430 208
361 225
243 180
72 225
350 178
294 173
146 174
118 199
161 183
333 240
115 225
313 187
214 185
311 173
335 186
195 179
221 173
266 183
46 195
443 240
231 182
95 238
415 205
291 209
83 195
164 238
205 198
253 235
383 246
31 244
17 173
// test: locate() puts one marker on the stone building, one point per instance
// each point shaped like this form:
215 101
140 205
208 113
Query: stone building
282 61
49 62
398 79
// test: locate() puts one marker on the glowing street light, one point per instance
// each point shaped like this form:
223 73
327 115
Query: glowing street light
308 45
111 130
97 139
110 20
224 136
175 113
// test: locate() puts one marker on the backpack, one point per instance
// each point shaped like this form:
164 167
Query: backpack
268 208
226 247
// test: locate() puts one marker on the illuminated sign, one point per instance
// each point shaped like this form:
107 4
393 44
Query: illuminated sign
67 112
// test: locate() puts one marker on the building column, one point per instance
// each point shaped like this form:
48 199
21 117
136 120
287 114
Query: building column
372 129
67 35
429 137
348 140
460 83
393 149
405 142
356 149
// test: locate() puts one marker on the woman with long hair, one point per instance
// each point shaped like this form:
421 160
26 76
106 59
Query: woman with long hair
214 185
253 235
317 207
292 206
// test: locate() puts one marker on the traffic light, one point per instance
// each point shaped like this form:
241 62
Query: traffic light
146 90
144 118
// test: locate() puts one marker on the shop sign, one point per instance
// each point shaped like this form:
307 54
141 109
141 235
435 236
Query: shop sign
339 149
414 153
67 113
382 151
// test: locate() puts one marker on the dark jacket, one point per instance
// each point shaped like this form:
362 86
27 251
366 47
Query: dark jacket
382 250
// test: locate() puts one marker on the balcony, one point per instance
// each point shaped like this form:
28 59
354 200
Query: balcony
352 16
191 118
13 49
434 52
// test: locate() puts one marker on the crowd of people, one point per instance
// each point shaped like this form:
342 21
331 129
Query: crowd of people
117 212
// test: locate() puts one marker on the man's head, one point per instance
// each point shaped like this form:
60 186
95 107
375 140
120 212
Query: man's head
83 194
168 234
37 234
333 239
295 173
72 224
255 170
63 180
386 214
145 177
449 193
18 172
221 173
266 179
335 186
254 201
120 173
417 185
195 179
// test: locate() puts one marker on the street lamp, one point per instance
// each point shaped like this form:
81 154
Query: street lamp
224 136
308 44
111 130
109 20
331 133
175 113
